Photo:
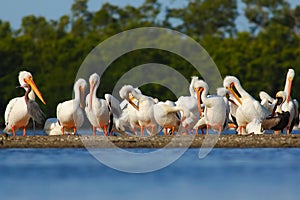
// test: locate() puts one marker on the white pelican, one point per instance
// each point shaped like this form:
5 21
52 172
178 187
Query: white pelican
267 101
167 115
190 104
290 105
232 104
17 114
129 116
101 112
192 116
279 118
69 113
52 127
248 109
216 109
144 107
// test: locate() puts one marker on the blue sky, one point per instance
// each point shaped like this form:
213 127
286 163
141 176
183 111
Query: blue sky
14 10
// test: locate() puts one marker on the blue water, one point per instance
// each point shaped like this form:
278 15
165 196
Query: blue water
224 174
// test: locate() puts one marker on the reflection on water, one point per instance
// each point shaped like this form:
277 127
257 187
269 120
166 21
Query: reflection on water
223 174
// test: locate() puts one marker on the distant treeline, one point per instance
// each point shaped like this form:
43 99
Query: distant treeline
54 50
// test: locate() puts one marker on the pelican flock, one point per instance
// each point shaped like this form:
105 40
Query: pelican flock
231 108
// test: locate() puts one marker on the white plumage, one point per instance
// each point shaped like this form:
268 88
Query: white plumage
290 105
69 113
216 107
167 115
248 109
16 113
143 106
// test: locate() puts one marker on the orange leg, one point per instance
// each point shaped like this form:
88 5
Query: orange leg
173 130
94 131
63 130
165 131
240 130
75 130
276 132
142 130
24 131
152 130
288 130
105 130
220 129
13 131
207 127
133 131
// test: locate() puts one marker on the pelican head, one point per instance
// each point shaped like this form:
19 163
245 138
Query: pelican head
290 74
230 83
128 92
94 81
81 86
288 85
26 78
199 87
281 97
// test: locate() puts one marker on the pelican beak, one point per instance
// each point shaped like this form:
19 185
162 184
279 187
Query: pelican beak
288 98
35 89
82 89
131 101
234 94
198 92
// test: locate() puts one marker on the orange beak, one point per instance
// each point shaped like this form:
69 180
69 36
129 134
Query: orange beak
131 101
198 92
82 90
35 89
91 96
288 98
234 94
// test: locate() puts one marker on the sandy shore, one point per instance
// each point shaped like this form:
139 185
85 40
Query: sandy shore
192 141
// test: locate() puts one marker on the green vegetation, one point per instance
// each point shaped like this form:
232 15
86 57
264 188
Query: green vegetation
54 50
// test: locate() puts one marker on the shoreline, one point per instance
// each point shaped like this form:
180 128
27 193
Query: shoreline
191 141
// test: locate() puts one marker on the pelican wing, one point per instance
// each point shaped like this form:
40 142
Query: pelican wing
35 111
8 109
114 105
269 123
261 110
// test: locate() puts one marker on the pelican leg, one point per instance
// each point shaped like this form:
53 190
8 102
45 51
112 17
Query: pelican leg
24 131
94 131
197 131
63 130
287 130
240 130
152 130
75 130
207 127
13 131
173 130
133 131
165 131
142 130
105 130
220 129
276 132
